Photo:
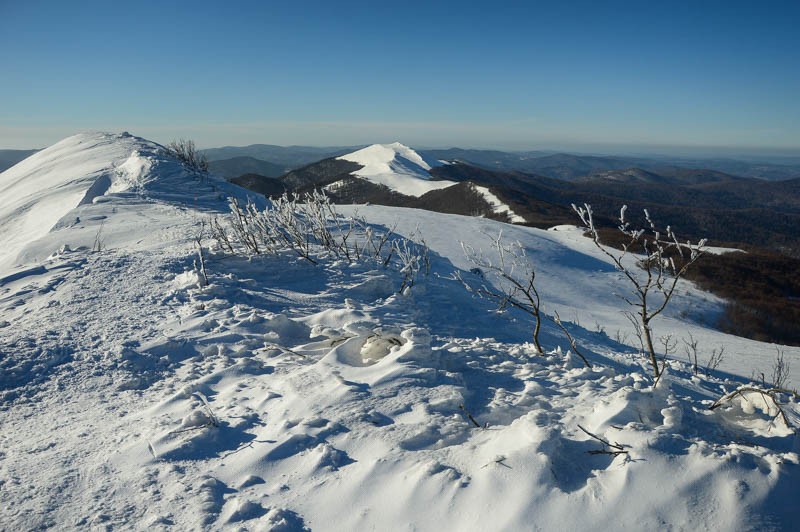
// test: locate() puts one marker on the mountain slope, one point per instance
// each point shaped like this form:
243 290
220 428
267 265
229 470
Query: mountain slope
699 203
269 186
571 166
63 186
286 394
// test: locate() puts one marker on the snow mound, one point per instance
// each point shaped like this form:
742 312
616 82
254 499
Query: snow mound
396 166
63 187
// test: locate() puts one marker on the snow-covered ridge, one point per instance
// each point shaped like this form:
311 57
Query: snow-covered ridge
50 189
40 190
396 166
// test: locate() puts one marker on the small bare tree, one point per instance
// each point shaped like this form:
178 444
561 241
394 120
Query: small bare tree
515 280
655 282
572 342
714 360
669 344
690 347
780 370
186 152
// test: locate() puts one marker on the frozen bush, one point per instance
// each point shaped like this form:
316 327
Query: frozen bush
310 227
186 152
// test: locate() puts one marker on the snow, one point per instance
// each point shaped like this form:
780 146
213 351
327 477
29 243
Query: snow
498 206
67 188
720 250
396 166
40 190
290 396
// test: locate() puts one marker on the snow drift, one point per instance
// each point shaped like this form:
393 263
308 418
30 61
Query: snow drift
287 395
52 189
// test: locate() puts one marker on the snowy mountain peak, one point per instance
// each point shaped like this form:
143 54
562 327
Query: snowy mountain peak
66 186
380 157
396 166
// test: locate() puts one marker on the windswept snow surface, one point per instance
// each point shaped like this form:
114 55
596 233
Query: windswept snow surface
396 166
39 191
292 396
60 188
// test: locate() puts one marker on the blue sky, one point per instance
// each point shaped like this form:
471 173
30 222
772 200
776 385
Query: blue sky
590 76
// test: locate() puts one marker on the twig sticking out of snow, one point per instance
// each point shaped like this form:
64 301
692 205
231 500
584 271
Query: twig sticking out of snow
613 449
557 319
214 419
284 350
469 416
201 270
499 460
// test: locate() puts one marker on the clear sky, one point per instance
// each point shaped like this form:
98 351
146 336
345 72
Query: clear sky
600 76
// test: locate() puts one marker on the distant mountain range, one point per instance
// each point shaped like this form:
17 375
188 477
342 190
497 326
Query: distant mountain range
288 157
564 166
273 161
698 202
237 166
569 167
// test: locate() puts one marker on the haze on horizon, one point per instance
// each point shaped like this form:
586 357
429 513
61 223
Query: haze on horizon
694 78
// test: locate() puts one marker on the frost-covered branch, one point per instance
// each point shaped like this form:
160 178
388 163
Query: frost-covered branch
658 273
514 279
773 394
557 319
310 227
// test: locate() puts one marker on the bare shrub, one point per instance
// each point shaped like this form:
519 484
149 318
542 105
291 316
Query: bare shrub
780 370
771 397
513 276
186 152
714 360
310 227
691 349
99 242
662 261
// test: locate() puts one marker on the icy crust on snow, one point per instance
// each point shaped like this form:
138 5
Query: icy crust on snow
291 396
396 166
498 207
